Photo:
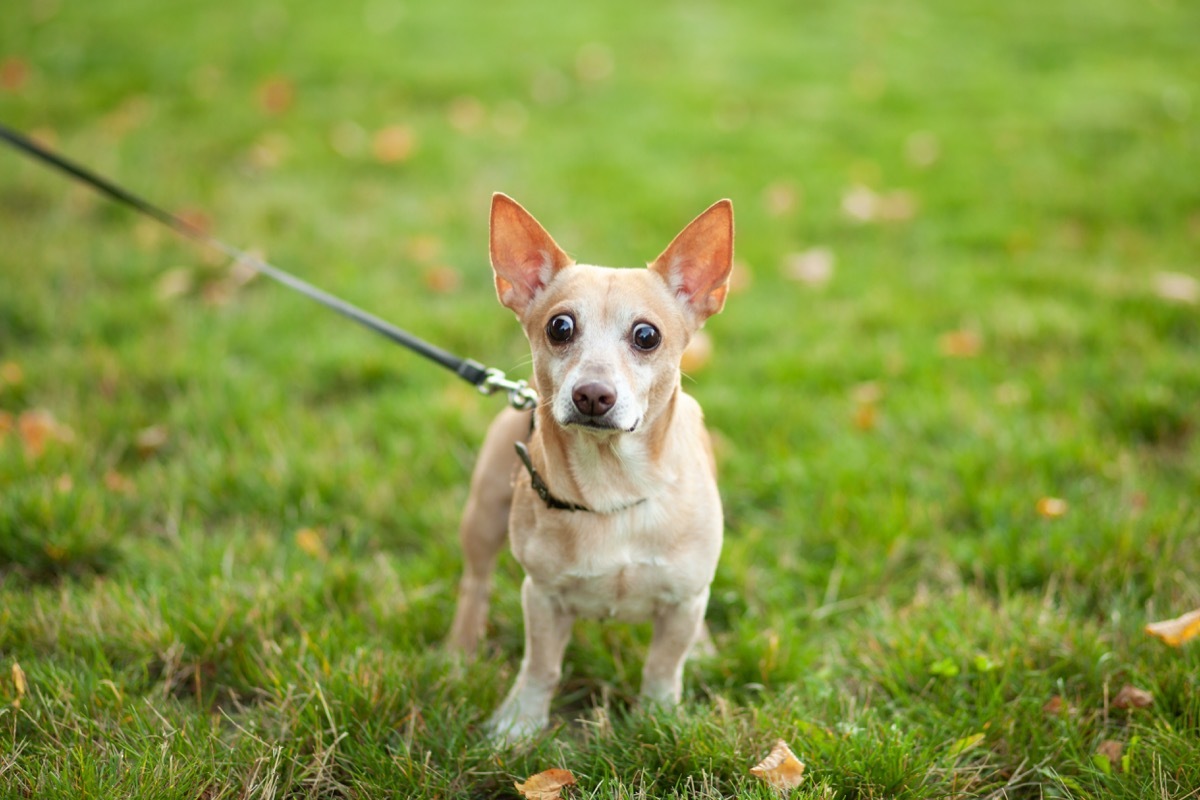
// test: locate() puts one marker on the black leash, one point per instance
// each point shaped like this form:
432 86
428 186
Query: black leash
487 380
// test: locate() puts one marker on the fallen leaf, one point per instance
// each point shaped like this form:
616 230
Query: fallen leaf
276 95
697 354
151 439
309 540
966 743
1177 287
960 344
1051 507
22 686
1177 631
813 267
546 785
116 482
393 144
442 279
1132 697
466 113
11 374
863 204
37 428
781 769
1056 706
780 199
173 283
14 72
1110 750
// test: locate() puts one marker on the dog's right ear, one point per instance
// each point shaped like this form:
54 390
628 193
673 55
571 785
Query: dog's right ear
524 257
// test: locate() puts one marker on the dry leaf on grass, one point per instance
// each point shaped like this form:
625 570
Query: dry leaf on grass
546 785
813 267
118 483
276 95
781 769
1177 631
393 144
149 441
1177 287
1056 706
1132 697
309 540
442 279
1051 507
37 428
1111 751
13 74
960 344
22 686
11 374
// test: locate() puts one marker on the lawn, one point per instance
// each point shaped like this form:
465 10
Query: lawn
955 393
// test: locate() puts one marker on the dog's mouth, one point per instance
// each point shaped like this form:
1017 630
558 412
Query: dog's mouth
601 425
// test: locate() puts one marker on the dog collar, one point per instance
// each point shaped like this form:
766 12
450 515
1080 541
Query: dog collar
543 491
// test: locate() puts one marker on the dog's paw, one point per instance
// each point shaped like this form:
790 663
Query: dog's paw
509 727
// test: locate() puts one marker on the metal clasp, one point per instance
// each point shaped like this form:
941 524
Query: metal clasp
520 395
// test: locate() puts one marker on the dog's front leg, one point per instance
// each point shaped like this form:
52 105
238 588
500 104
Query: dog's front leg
526 710
675 629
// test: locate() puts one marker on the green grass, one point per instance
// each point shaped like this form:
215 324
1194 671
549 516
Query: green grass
889 600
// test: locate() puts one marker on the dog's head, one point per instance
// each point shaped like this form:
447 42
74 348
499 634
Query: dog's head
607 342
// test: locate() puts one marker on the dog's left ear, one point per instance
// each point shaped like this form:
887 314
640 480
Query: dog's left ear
696 265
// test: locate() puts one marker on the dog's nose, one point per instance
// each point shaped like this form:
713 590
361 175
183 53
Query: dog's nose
595 398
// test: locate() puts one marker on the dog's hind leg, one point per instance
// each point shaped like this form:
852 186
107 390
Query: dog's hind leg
484 526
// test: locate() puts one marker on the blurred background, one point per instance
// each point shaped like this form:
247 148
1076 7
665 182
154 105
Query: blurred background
961 353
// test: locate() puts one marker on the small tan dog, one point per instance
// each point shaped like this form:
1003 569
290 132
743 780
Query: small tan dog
609 494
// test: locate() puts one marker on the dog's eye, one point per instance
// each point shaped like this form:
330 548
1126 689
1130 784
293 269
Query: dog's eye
561 328
646 336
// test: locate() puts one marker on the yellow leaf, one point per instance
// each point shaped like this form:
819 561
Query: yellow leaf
393 144
11 373
1177 631
781 769
960 344
1051 507
966 743
19 680
546 785
310 542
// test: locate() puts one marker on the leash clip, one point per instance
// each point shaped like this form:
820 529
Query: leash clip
520 395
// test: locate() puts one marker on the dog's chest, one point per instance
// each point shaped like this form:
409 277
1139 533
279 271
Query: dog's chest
618 572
